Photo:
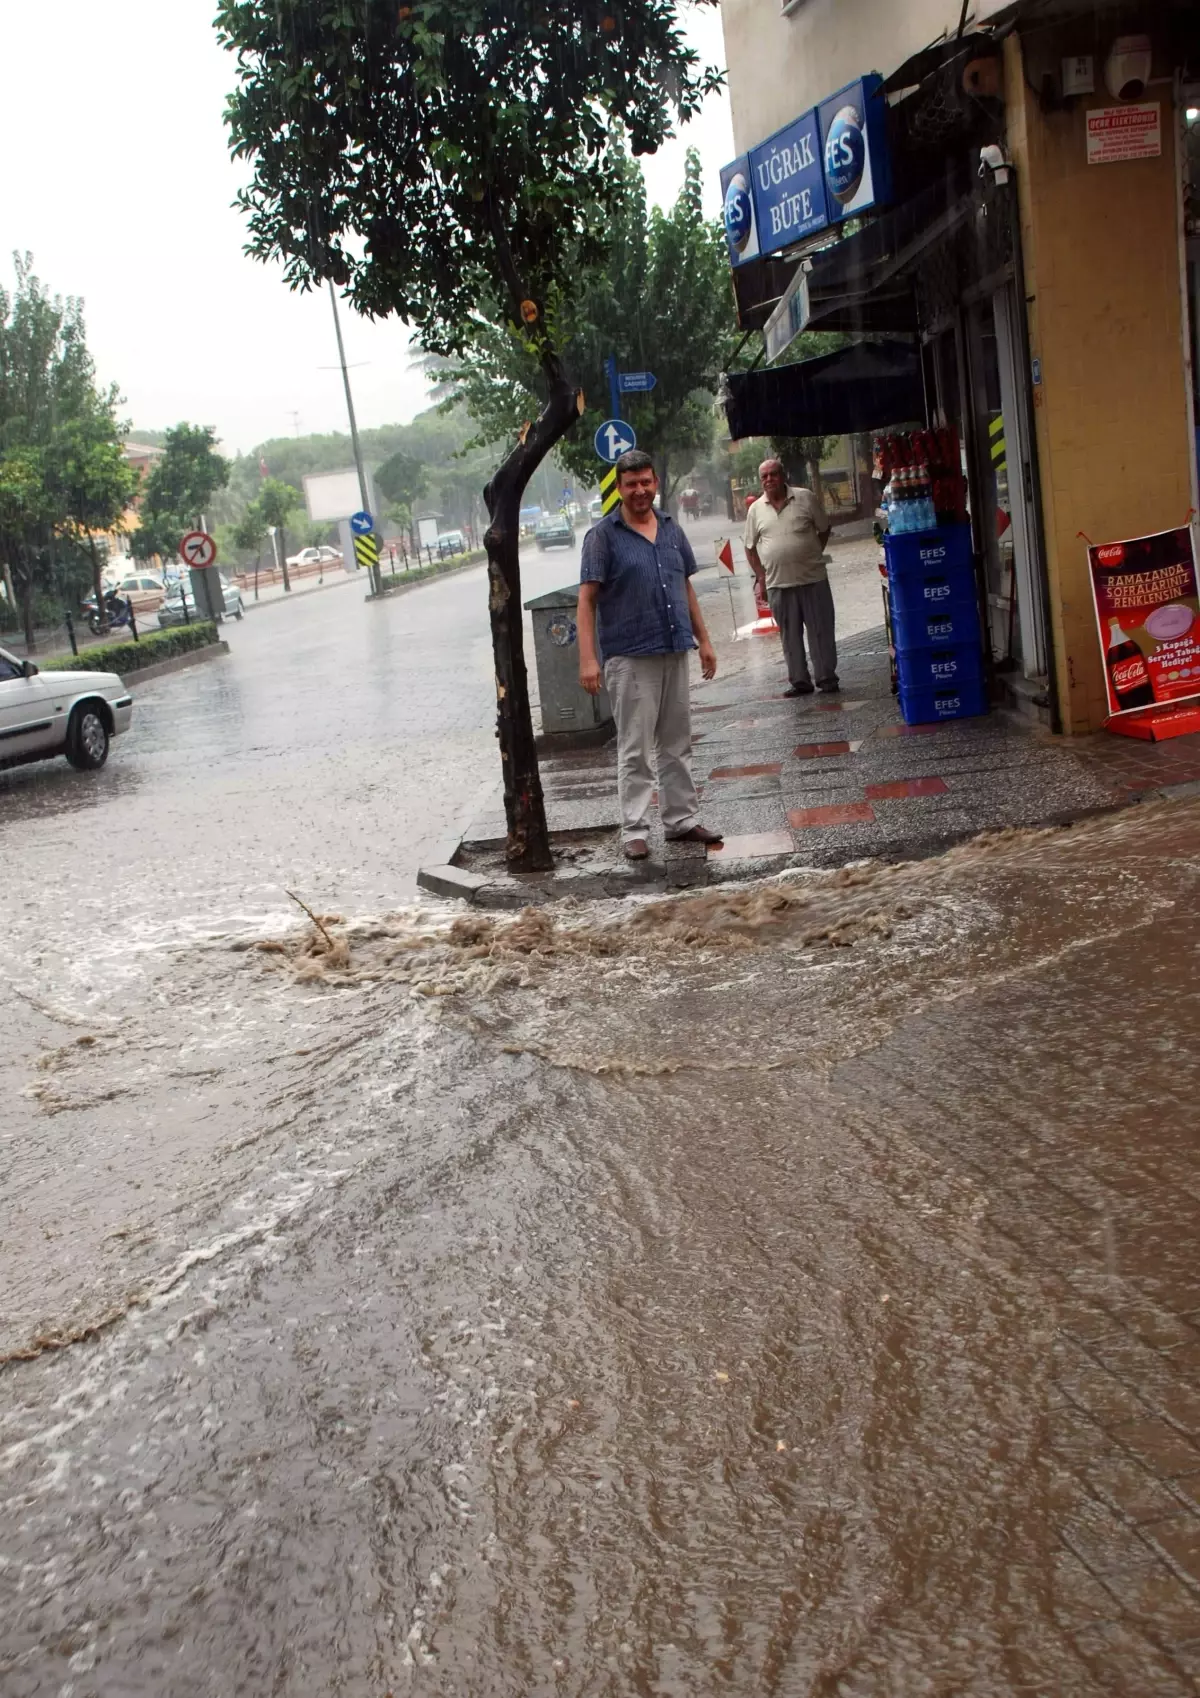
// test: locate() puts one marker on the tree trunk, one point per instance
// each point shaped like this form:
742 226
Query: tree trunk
815 481
98 582
528 848
287 583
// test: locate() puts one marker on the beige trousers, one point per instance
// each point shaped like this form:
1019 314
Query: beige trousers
649 696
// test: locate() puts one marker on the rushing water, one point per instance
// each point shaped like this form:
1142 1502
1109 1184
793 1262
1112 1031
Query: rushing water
659 1300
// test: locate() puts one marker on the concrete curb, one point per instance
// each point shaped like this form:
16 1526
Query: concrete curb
682 872
176 663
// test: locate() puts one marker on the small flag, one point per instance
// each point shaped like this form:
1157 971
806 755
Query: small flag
725 554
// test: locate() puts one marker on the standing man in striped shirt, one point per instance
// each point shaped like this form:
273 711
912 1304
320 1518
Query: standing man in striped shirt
638 619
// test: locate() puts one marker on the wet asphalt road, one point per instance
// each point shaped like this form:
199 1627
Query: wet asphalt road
679 1302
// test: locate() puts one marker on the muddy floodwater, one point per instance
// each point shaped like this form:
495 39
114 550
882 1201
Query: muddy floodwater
784 1290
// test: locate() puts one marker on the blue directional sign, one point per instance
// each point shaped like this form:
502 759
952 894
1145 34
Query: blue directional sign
613 439
361 524
637 382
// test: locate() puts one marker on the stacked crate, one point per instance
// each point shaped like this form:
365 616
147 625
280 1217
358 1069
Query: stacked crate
935 625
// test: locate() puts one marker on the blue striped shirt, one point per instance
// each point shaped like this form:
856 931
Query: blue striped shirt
643 604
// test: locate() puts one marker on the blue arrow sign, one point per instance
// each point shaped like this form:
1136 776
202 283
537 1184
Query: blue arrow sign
637 382
613 439
361 524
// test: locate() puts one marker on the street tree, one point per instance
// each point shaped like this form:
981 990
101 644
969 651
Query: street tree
276 503
250 532
178 490
429 156
50 411
95 483
661 301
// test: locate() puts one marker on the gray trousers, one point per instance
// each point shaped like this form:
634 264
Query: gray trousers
800 608
649 696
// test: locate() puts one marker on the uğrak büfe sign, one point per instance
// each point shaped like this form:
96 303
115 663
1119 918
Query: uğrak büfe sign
1148 617
828 164
788 188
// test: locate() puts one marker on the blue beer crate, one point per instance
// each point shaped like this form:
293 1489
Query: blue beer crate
940 551
922 592
925 707
942 624
939 669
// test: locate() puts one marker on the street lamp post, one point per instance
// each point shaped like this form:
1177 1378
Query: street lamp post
376 570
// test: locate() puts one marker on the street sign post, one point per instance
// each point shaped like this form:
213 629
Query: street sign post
637 382
609 494
613 439
614 385
198 548
366 547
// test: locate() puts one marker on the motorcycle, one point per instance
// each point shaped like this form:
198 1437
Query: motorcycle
118 612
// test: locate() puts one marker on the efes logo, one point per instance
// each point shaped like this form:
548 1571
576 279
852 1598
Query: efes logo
845 154
739 213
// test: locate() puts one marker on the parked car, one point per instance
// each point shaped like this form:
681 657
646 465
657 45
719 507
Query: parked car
595 508
323 556
43 714
144 590
172 610
555 530
451 542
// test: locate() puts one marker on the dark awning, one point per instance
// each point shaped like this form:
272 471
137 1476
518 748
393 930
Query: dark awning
866 387
862 284
874 266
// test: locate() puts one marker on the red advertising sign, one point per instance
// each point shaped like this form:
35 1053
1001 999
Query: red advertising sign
1148 616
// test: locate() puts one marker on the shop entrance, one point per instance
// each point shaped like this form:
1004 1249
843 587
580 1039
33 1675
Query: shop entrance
1006 529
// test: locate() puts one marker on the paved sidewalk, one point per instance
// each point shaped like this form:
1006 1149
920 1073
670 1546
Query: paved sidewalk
819 781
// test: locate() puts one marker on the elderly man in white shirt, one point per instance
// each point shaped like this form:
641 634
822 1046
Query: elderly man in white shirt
785 537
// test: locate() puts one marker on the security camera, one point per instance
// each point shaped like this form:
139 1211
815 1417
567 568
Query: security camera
991 158
1127 68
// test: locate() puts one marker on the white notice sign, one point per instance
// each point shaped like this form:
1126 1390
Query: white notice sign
1124 132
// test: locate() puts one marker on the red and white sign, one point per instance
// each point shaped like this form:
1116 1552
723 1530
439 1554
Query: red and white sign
1148 617
1115 133
198 549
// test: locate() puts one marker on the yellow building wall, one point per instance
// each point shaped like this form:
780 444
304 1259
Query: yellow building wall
1105 316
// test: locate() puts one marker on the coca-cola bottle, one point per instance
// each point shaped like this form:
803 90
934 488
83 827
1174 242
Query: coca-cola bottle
1127 670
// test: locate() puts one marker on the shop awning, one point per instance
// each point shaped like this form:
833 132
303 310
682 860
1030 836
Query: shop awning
860 285
865 387
873 267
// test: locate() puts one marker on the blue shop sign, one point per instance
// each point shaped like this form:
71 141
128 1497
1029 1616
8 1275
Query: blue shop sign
786 179
854 149
740 231
829 164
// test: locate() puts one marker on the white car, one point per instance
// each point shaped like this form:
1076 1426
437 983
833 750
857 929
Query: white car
323 556
43 714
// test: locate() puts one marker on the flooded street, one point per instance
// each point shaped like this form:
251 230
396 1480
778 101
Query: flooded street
787 1289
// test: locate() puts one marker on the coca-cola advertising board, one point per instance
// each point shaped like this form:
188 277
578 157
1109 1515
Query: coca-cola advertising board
1148 616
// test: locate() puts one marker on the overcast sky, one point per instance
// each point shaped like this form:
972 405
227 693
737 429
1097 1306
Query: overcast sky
118 181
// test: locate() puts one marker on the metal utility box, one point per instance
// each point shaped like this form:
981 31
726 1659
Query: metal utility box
567 709
207 592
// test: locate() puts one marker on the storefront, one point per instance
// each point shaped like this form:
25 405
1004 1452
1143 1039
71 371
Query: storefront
1032 231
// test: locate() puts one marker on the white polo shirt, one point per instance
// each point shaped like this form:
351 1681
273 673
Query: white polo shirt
788 541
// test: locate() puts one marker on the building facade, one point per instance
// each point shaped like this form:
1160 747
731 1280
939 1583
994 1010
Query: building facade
1038 243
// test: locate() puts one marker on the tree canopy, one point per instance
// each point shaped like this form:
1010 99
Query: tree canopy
179 489
62 473
660 301
422 155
